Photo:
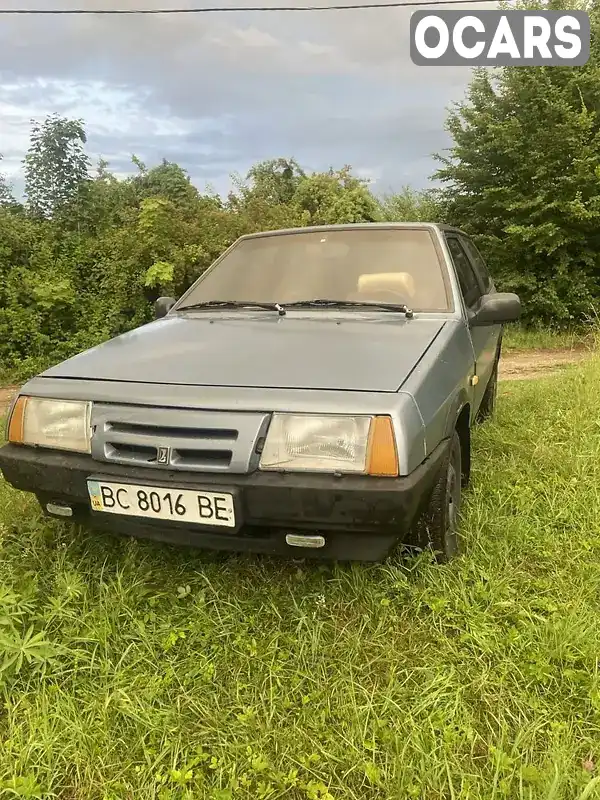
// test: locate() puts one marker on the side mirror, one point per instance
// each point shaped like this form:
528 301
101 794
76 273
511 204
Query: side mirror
497 308
162 306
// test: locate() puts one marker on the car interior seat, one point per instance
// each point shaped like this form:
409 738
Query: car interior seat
385 287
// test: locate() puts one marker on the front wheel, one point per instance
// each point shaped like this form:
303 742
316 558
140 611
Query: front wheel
438 528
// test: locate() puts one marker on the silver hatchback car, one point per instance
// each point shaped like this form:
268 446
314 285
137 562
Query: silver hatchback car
312 393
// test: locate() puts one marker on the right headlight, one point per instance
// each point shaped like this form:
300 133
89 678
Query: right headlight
330 443
46 422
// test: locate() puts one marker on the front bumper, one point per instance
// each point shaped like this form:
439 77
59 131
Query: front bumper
361 518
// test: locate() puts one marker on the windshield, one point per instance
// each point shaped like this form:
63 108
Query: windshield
387 265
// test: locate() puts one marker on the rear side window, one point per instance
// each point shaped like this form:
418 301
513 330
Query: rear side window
469 284
478 263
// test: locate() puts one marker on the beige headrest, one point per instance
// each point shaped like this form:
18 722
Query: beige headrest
401 282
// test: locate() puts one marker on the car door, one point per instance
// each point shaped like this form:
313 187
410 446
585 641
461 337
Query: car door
474 285
491 333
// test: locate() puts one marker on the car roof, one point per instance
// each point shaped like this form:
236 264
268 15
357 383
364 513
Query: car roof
356 226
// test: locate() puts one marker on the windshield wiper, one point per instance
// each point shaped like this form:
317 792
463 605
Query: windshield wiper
234 304
397 307
317 303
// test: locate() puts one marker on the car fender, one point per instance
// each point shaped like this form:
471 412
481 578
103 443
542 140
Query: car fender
460 418
458 403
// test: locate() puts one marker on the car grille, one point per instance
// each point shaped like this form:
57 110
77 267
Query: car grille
165 438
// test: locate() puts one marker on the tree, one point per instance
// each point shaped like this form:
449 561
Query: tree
410 205
275 180
335 197
166 180
7 198
264 199
523 176
55 165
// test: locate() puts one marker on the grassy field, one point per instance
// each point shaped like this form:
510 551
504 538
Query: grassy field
519 339
135 670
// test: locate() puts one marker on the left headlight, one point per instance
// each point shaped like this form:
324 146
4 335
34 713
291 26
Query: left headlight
57 424
330 443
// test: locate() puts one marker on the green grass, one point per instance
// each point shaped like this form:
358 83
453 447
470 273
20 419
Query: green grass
163 672
518 338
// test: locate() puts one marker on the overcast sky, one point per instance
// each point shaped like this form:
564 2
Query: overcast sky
218 92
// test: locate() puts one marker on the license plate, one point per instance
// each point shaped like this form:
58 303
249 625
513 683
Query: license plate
175 505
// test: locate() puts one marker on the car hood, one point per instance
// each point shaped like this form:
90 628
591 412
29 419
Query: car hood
365 353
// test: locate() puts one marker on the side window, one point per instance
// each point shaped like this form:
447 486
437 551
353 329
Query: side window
469 284
478 263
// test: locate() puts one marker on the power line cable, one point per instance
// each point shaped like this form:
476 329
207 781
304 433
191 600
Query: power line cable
236 9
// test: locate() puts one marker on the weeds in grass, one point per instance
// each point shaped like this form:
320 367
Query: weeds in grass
136 670
517 338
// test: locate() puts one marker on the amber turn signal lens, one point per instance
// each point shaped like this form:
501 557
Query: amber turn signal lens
383 457
17 422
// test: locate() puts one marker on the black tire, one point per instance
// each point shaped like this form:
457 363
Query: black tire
488 402
438 526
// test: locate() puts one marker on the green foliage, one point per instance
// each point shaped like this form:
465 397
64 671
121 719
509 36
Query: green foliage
276 181
55 165
161 273
6 193
334 197
409 205
523 176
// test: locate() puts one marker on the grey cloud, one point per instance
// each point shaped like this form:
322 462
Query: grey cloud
168 49
193 152
327 87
